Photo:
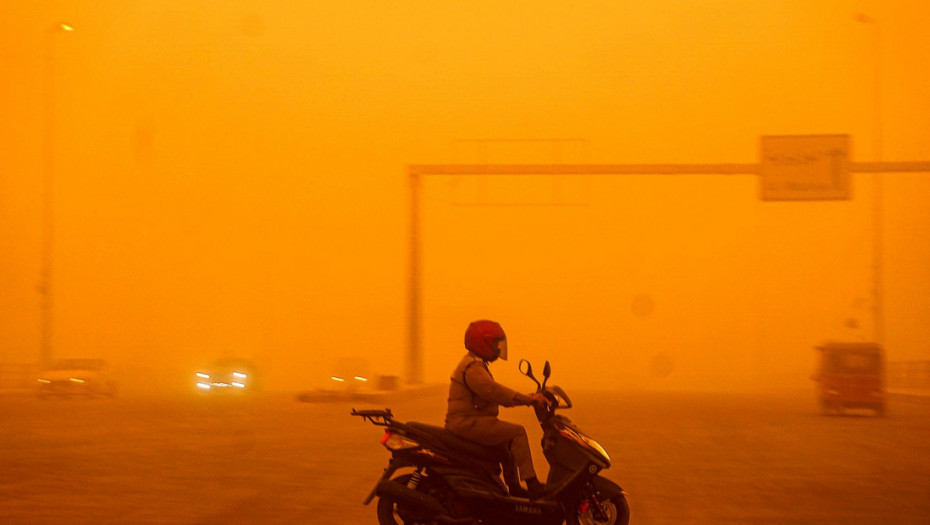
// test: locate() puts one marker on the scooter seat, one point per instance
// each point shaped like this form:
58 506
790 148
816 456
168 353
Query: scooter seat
493 454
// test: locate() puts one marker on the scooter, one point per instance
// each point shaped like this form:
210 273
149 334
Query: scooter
444 479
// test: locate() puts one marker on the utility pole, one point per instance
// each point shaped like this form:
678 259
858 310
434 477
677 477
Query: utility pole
878 313
48 188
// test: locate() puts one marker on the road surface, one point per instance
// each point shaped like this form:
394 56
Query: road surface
684 458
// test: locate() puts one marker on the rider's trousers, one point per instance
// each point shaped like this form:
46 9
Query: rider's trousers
490 431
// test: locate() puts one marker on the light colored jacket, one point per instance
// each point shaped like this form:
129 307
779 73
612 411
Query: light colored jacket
474 393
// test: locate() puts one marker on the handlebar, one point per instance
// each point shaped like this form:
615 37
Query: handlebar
557 397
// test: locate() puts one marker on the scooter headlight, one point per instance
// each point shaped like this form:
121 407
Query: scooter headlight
584 440
596 446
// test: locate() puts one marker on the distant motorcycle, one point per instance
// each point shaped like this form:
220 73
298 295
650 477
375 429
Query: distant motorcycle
445 479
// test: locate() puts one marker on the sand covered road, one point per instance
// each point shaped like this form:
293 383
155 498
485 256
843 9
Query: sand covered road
683 458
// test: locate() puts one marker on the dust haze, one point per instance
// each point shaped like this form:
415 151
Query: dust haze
230 180
187 181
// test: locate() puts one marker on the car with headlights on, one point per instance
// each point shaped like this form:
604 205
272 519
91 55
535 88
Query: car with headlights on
227 375
88 377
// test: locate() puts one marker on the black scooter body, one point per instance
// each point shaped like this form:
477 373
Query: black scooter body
457 481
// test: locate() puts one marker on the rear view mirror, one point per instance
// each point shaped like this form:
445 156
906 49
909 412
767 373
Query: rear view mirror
527 369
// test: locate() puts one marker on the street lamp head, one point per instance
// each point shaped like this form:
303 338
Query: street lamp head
60 27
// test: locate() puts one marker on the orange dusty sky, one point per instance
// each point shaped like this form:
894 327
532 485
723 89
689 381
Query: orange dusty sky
230 178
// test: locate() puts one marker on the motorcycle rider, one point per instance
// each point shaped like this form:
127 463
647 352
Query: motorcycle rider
474 400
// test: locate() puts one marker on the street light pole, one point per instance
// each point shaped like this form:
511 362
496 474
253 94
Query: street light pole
48 187
877 190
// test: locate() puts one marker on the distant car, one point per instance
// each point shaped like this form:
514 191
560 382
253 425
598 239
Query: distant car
76 377
227 375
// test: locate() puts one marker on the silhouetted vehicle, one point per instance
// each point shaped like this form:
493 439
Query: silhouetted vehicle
76 377
227 375
850 376
447 479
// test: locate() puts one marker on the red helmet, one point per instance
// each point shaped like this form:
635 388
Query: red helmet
487 340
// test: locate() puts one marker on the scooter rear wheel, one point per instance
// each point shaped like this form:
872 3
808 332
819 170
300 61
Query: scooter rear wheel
615 508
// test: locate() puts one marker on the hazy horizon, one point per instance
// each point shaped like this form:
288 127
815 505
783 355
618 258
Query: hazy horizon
230 178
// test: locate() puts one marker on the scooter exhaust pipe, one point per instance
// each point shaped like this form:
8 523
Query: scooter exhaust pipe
405 493
392 488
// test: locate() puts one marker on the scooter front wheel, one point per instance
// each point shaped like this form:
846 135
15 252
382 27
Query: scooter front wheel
614 511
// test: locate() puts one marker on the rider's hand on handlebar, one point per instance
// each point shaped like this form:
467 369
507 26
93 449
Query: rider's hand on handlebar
539 400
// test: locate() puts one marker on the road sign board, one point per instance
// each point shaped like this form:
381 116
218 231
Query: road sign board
804 167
